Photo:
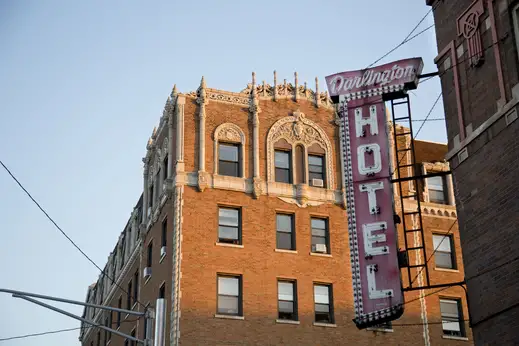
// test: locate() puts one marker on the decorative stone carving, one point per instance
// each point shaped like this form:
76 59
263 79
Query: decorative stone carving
230 134
298 129
256 187
202 180
165 148
303 204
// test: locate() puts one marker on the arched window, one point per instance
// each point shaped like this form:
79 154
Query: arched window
229 151
299 152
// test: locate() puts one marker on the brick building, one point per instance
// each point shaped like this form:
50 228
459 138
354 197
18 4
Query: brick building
478 66
242 228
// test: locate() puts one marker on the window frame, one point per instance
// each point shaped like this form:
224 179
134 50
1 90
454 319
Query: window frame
292 231
149 254
165 164
515 20
238 162
236 208
294 299
289 169
135 288
445 200
162 291
460 318
326 234
331 313
164 233
120 306
129 295
452 253
323 171
240 293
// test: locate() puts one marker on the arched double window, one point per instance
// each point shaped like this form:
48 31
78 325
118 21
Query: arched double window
299 152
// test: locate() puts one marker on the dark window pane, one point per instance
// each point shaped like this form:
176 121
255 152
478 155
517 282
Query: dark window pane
443 260
286 291
284 306
319 223
228 217
284 223
283 175
225 232
282 159
284 241
322 308
228 286
228 305
228 153
228 168
318 240
315 160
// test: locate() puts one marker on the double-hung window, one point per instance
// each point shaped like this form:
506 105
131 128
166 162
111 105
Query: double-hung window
135 286
436 186
229 159
323 302
285 235
229 225
316 170
283 166
452 317
444 254
229 295
287 300
320 235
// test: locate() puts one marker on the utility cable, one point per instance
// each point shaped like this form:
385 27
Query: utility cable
55 331
63 232
408 37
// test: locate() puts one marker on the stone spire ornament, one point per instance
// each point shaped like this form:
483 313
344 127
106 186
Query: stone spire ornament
275 92
317 98
202 101
296 86
254 111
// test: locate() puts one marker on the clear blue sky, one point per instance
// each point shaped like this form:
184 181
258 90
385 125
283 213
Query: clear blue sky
83 83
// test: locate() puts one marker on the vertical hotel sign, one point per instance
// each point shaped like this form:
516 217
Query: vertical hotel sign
377 287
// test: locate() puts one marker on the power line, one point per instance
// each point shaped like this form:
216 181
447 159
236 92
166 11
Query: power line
399 45
408 37
55 331
63 232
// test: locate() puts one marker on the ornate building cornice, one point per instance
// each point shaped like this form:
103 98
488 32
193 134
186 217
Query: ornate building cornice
265 91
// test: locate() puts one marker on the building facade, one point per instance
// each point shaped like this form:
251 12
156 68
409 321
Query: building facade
242 228
478 65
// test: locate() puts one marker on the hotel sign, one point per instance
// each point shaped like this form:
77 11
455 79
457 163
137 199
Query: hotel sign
377 287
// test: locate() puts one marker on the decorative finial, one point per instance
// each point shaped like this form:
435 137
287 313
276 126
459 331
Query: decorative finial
275 85
202 83
174 92
264 88
154 133
317 98
253 78
285 87
296 96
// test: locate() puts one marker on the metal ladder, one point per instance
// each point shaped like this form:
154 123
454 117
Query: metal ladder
418 266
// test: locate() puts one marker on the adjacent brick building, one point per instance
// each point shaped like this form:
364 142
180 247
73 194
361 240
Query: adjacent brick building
478 66
242 228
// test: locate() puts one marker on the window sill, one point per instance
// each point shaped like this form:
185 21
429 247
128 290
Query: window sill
383 330
451 337
229 317
287 321
447 270
329 325
318 254
146 281
229 245
162 258
126 316
286 251
133 306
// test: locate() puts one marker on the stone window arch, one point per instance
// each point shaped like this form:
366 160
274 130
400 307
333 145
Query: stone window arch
305 137
232 134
